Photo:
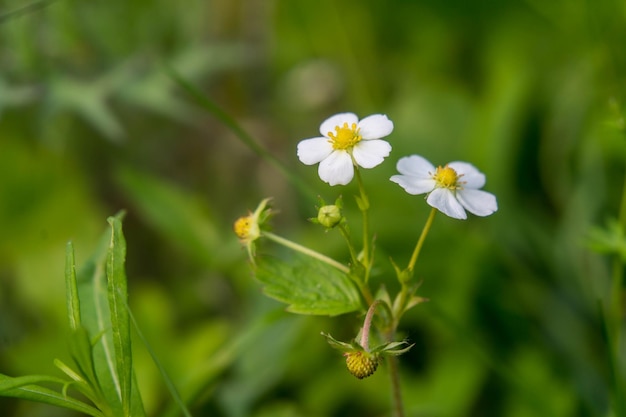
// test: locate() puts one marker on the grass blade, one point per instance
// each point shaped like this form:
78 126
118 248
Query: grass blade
71 288
24 388
118 297
168 382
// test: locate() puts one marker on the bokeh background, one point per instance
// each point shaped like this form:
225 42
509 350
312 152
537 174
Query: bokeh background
92 122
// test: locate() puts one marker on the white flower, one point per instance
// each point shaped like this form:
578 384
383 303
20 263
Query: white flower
451 189
347 142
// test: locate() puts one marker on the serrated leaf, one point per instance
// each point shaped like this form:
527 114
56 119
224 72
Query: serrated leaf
309 286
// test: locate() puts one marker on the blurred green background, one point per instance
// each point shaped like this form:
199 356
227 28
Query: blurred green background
91 122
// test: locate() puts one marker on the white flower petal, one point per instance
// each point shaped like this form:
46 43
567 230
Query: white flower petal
369 153
329 124
416 166
314 150
444 200
472 177
414 185
375 126
478 202
337 169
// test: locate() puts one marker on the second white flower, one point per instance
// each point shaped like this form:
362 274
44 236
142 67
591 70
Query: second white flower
451 189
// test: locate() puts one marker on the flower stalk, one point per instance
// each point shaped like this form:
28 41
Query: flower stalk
420 241
306 251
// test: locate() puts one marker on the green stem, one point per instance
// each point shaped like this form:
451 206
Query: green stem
309 252
421 240
396 392
346 236
365 291
364 207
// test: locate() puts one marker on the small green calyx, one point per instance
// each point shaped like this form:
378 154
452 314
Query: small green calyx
329 216
361 364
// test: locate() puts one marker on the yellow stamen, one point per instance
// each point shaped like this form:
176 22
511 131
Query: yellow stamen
345 136
447 177
242 227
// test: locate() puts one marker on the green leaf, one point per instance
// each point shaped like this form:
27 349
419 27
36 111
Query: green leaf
309 286
118 305
24 388
71 287
81 352
97 320
8 383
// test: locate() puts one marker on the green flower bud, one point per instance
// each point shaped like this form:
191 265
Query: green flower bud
329 216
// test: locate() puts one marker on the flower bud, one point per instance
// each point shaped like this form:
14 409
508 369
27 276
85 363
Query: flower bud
329 216
361 364
247 229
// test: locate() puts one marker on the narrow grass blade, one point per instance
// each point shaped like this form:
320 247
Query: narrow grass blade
118 295
25 388
168 382
232 124
71 288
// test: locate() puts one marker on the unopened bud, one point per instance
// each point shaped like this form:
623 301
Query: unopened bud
329 216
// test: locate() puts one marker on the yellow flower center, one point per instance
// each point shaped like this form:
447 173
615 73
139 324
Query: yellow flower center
345 136
447 177
242 227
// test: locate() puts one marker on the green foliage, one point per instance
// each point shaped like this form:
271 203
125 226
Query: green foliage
522 318
99 339
308 286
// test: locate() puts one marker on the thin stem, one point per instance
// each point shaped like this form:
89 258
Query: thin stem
367 324
364 207
346 236
361 283
396 392
421 239
309 252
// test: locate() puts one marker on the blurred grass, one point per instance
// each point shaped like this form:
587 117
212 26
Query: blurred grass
90 123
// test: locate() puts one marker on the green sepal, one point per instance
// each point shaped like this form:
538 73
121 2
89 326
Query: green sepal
393 348
342 346
402 304
403 275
